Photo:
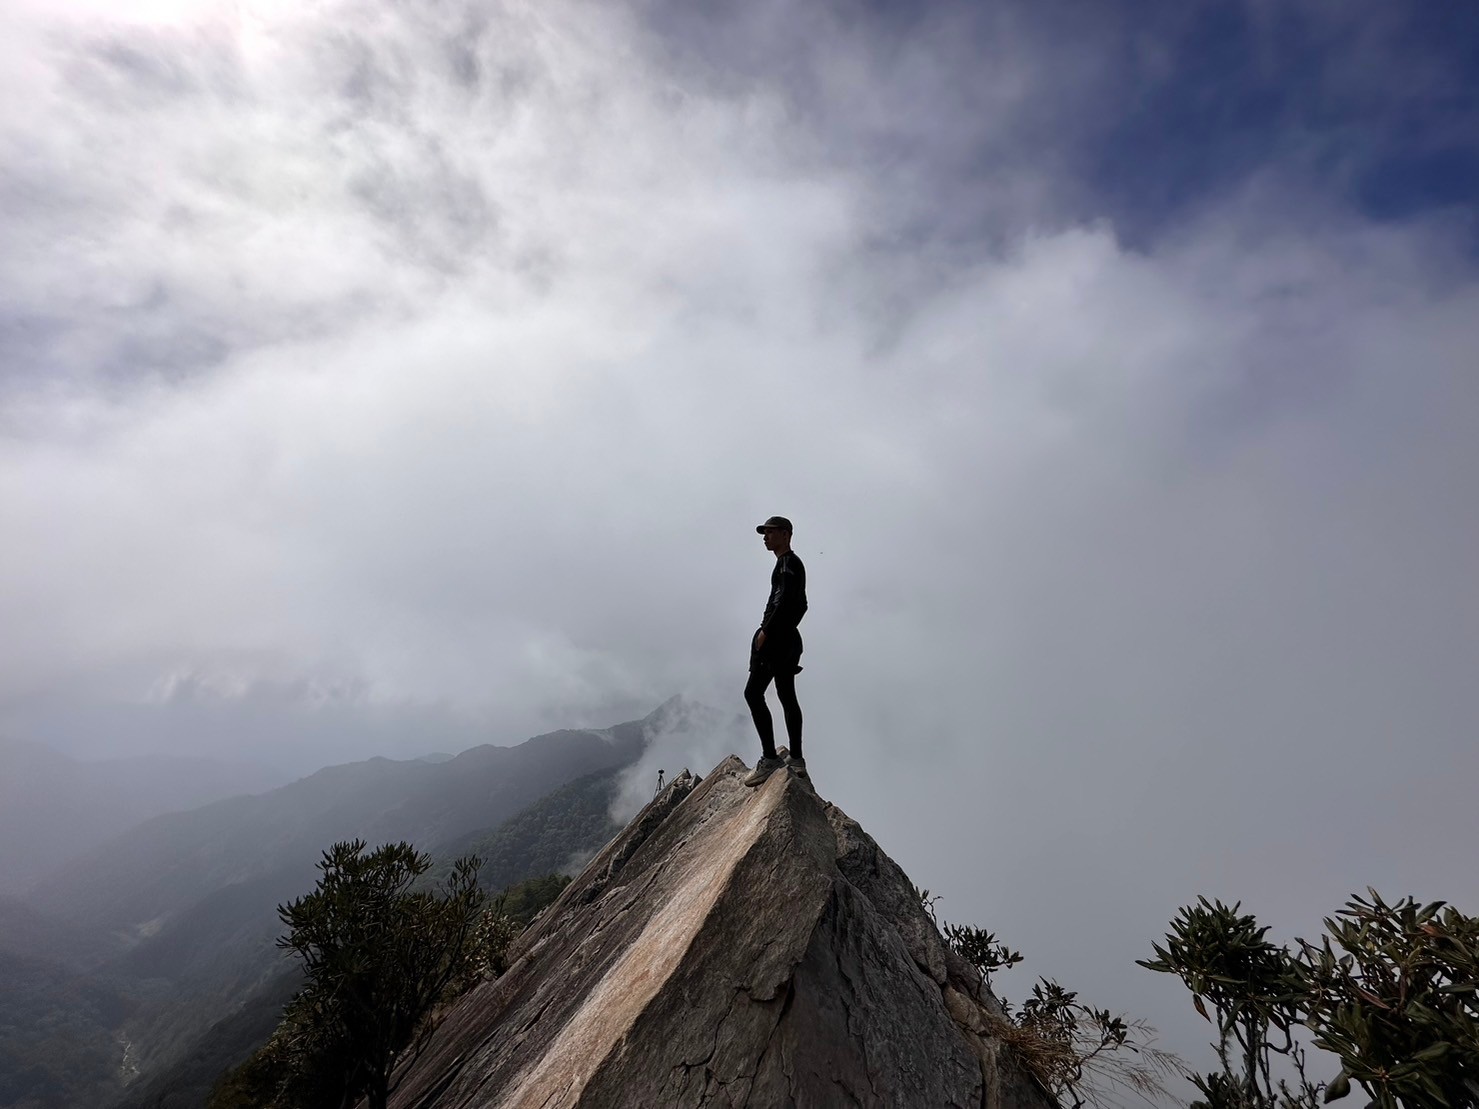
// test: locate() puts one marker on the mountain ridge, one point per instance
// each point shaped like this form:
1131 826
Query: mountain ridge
133 884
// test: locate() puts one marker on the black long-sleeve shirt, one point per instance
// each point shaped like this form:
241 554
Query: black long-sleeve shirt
787 603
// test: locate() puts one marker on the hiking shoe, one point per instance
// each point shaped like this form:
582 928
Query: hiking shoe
798 768
763 769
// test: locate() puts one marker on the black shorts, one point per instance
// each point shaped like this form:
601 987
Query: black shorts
780 655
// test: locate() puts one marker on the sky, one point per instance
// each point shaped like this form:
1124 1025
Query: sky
383 379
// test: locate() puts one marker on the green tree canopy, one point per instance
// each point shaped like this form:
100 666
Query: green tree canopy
379 958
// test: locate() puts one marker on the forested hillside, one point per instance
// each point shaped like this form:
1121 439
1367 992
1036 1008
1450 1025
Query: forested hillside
151 874
557 833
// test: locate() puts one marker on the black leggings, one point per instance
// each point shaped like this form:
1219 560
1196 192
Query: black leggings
785 689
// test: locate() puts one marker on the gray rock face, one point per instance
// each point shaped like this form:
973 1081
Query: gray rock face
732 947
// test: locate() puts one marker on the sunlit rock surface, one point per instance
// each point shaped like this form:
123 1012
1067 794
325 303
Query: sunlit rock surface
732 947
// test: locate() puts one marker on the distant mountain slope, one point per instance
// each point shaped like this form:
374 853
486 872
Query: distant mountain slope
186 1084
556 834
137 882
560 831
53 807
27 932
140 881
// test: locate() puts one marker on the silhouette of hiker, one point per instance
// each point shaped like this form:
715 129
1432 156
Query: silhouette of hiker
775 654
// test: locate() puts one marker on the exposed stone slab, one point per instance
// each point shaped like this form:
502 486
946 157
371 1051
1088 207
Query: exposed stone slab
732 947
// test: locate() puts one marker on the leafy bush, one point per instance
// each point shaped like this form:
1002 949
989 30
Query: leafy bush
1392 990
1223 957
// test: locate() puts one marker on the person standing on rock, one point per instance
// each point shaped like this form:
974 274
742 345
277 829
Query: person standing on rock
775 654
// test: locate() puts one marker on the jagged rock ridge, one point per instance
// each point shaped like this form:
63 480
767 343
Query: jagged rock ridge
731 947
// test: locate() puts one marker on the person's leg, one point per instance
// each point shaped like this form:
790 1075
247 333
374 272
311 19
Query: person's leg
755 698
785 689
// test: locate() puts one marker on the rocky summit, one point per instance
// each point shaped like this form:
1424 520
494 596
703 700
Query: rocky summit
732 947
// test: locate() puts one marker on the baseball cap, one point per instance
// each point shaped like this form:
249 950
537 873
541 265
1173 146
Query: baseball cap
774 522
